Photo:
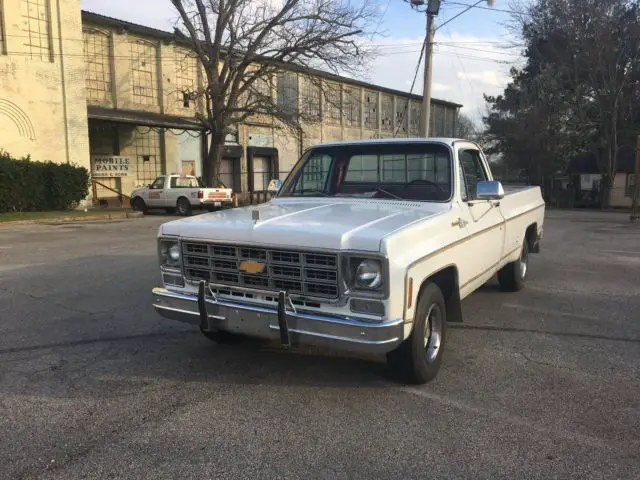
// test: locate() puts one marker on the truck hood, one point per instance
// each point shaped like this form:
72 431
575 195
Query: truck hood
339 225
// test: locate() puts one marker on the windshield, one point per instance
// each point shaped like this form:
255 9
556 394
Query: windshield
407 171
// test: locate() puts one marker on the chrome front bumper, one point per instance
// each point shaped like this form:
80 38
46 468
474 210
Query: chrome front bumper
264 322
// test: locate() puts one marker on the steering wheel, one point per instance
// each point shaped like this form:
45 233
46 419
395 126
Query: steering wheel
426 182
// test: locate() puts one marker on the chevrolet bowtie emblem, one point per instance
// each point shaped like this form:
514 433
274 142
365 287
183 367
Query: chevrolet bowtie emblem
251 266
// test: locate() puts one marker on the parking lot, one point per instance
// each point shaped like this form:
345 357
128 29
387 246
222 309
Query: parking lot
94 384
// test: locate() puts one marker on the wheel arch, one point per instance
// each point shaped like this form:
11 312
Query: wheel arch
447 279
531 236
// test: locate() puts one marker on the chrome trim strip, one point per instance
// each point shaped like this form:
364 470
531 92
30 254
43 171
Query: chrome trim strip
161 292
186 312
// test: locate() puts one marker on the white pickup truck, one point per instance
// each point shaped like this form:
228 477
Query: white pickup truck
179 193
368 246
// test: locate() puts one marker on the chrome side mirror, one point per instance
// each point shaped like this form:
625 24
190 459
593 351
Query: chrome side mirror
489 190
274 185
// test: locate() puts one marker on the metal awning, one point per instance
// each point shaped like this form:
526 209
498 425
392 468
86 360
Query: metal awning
147 119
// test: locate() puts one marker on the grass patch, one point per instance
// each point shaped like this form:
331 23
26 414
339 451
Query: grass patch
52 215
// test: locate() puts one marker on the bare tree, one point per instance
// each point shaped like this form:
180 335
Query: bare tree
249 48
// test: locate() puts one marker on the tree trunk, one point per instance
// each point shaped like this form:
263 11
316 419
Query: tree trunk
211 166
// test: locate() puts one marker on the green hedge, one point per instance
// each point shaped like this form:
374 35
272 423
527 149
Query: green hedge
26 185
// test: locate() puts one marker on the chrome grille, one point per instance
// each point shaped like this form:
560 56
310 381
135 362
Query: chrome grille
301 273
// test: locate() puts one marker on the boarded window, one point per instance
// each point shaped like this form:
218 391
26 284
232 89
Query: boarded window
370 110
97 63
352 106
287 93
386 112
310 100
186 82
332 103
402 115
414 124
148 155
35 28
143 73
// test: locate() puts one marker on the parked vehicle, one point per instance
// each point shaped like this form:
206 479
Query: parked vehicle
368 246
179 193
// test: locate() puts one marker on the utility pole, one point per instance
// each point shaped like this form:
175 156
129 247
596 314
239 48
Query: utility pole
432 10
425 116
636 185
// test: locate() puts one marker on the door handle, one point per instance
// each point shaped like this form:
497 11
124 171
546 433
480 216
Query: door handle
459 223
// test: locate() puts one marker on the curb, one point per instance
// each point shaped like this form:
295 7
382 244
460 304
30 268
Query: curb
87 218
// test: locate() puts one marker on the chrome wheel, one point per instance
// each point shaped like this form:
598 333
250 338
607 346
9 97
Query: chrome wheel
524 261
433 333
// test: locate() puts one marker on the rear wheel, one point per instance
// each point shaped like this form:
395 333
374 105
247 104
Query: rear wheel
513 276
184 207
419 357
139 205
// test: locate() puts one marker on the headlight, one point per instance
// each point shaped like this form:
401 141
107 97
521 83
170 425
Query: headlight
369 274
364 274
170 253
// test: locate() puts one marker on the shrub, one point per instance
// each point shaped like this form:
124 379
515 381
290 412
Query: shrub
26 185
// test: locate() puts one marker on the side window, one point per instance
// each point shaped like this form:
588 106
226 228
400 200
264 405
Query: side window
183 182
158 184
472 170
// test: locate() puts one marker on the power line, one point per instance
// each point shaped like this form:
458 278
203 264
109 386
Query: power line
415 76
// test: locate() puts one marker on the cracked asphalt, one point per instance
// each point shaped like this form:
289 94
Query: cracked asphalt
544 383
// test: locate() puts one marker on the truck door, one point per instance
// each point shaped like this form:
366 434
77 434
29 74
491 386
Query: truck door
156 193
482 218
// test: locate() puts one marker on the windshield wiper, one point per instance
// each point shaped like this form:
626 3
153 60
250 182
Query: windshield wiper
382 190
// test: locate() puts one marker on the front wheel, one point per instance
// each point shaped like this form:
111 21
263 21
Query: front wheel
512 276
183 207
419 357
139 205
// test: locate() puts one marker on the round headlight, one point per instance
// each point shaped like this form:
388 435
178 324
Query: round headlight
369 274
174 253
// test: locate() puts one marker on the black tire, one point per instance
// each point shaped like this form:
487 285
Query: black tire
419 357
184 207
513 276
221 336
139 205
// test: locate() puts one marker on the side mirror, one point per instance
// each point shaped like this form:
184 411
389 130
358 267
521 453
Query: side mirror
274 185
489 190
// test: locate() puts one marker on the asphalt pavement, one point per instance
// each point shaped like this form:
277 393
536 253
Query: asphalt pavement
544 383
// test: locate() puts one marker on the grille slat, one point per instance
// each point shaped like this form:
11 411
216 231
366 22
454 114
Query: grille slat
302 273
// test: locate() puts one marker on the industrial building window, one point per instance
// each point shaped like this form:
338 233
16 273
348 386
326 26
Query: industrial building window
143 73
97 63
35 28
310 100
287 93
149 163
186 82
414 118
386 112
352 105
332 103
402 116
370 110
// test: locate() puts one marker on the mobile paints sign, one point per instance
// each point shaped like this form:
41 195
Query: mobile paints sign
109 166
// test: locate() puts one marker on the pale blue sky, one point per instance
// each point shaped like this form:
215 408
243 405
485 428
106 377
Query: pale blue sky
472 56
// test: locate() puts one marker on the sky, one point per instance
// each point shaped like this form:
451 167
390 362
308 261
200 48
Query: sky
472 56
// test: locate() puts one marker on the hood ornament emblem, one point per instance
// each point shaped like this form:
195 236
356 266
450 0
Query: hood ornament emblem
255 215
